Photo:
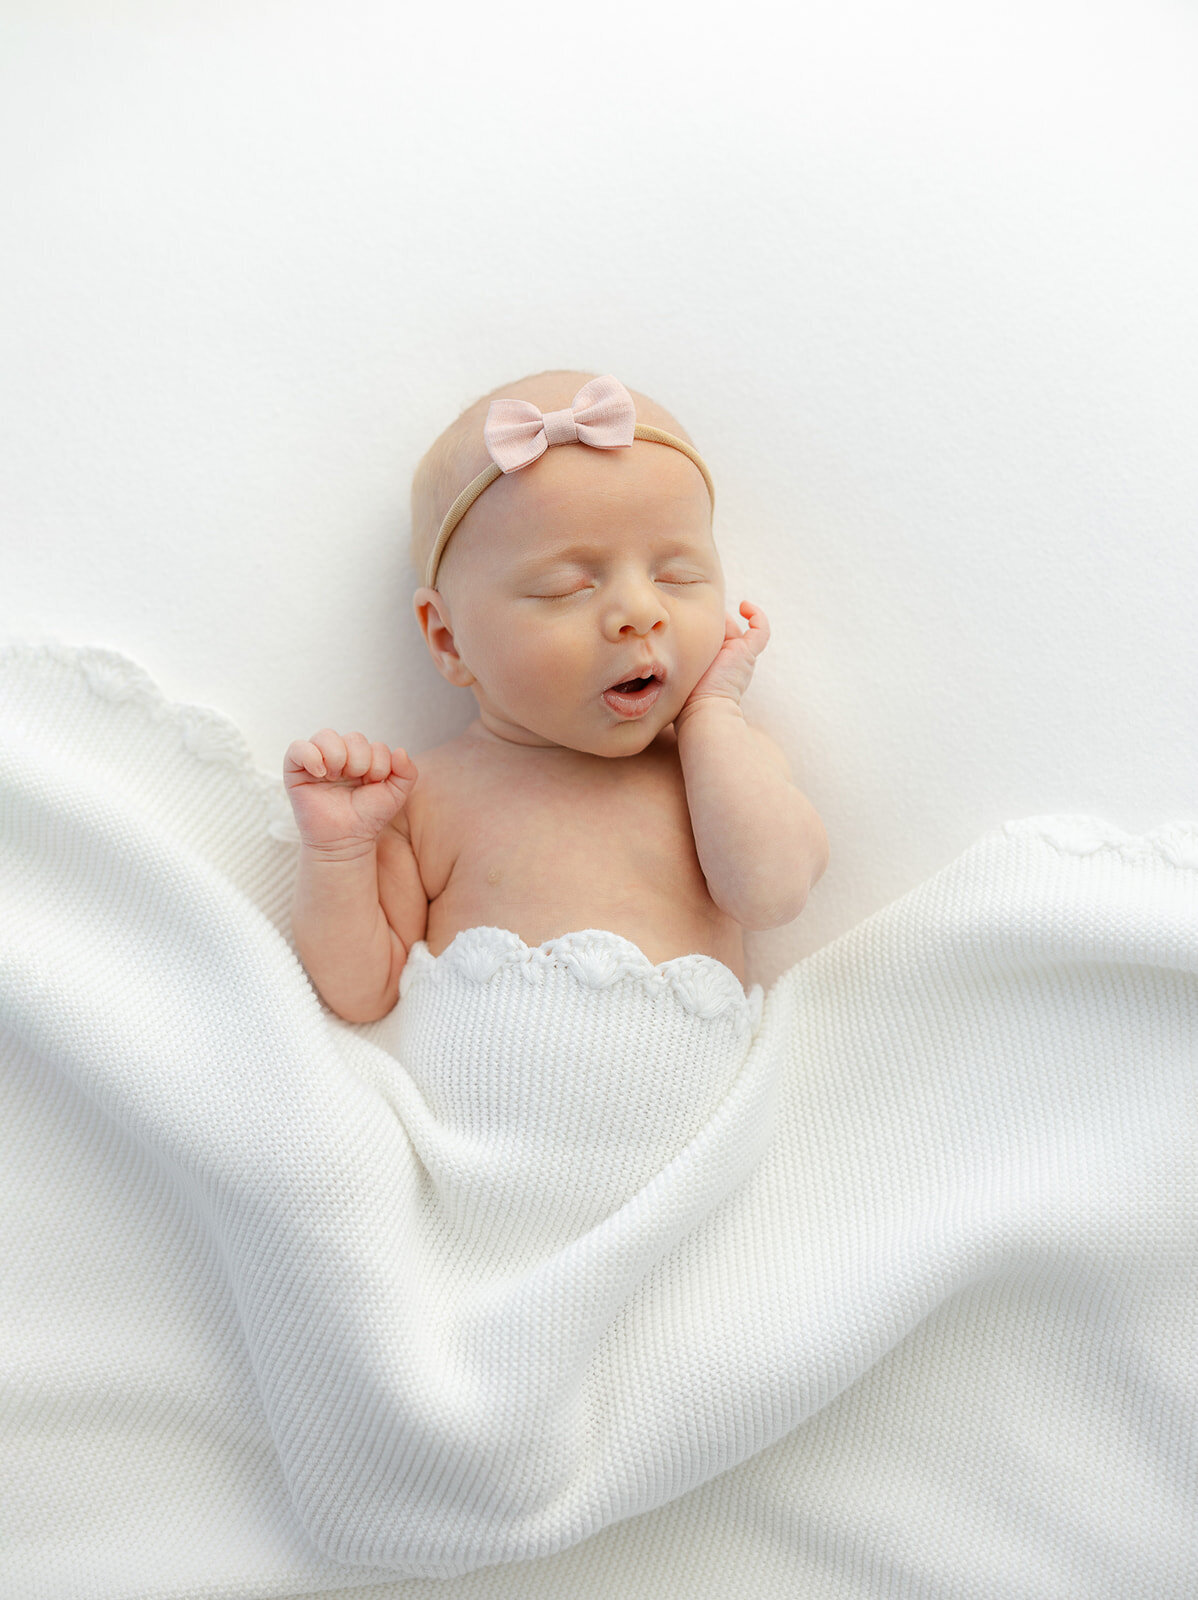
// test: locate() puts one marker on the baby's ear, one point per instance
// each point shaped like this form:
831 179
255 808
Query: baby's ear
432 614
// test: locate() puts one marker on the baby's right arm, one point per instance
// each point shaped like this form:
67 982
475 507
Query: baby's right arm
344 793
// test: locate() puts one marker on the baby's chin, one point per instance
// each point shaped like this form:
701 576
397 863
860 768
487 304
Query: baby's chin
620 739
627 739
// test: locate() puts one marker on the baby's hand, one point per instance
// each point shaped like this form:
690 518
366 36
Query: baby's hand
344 791
730 674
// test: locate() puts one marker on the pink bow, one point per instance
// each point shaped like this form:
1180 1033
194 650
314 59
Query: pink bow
603 414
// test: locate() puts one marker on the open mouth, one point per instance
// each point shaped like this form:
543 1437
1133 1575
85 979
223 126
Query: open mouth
633 697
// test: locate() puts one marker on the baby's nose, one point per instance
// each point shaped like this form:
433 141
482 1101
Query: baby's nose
641 610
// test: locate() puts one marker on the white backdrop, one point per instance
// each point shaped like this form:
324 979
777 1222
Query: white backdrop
918 280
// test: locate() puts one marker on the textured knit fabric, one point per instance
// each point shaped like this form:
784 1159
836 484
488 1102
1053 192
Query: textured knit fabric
575 1275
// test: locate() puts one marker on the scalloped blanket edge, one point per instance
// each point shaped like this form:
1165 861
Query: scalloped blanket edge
559 1280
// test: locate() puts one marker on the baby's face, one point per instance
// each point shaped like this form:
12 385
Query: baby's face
572 575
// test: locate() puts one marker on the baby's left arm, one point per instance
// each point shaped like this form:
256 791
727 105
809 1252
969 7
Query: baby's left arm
759 840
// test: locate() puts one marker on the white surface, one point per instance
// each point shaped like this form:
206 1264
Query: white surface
574 1276
918 280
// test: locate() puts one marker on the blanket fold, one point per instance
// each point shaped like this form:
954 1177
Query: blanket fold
577 1273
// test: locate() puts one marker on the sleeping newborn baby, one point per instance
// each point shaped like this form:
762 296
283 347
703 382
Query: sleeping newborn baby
610 779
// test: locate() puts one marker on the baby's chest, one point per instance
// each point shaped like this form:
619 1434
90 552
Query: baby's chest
544 832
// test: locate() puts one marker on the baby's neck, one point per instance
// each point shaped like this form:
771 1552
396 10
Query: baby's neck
480 734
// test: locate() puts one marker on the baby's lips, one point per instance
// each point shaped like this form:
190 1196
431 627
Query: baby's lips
647 669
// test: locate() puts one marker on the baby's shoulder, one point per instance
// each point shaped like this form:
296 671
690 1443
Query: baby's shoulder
448 765
440 773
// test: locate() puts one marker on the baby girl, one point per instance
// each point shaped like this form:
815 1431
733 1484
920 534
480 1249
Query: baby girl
610 779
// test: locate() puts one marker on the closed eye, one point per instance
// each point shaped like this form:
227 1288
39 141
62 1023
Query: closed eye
675 583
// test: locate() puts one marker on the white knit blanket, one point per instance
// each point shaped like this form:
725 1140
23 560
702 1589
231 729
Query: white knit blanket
577 1276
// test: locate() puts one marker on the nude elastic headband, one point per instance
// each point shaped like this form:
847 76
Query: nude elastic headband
517 432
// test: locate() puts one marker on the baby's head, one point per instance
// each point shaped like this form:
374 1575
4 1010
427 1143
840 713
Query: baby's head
569 574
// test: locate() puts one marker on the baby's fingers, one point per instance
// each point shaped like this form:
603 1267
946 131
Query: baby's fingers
757 636
303 756
380 763
359 756
333 751
386 763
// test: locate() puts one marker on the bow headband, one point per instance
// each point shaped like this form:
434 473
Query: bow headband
602 415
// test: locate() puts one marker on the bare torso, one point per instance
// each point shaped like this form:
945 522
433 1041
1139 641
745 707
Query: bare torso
551 841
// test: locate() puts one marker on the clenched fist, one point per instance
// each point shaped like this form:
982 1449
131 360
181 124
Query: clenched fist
345 790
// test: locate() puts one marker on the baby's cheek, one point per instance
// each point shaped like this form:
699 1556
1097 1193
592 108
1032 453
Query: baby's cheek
717 632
